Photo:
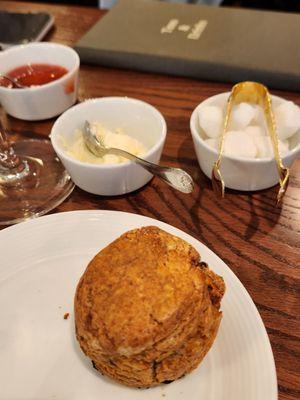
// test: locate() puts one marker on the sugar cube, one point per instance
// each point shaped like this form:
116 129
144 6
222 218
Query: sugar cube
254 130
287 117
239 144
242 115
265 147
260 118
211 120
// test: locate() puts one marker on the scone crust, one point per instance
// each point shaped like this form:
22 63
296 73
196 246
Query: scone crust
136 290
146 309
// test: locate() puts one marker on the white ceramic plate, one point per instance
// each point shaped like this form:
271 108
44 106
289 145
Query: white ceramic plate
41 262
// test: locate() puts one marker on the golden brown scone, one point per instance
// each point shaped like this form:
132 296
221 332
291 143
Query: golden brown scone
145 309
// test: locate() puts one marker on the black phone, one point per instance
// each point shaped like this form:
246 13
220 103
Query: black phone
21 28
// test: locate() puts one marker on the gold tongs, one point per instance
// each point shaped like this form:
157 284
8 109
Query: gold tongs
251 92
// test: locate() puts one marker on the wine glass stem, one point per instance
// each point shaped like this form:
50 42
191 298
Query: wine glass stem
12 168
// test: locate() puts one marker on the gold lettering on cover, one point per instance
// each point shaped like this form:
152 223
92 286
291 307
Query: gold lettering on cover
184 28
171 25
197 30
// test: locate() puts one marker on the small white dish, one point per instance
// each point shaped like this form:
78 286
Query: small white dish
38 284
246 174
44 101
135 118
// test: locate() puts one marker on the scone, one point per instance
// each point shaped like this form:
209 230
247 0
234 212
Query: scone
146 308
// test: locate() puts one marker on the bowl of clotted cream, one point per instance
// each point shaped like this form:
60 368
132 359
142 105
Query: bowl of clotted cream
120 122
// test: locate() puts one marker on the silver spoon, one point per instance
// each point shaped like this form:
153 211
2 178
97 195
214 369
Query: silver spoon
14 82
175 177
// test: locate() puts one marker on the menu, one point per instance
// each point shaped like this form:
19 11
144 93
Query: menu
206 42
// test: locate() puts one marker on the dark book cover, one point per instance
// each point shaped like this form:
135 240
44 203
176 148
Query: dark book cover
211 43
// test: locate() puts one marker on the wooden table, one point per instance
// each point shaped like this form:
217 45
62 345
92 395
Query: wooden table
259 242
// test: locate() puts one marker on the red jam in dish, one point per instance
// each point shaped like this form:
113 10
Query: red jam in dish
34 74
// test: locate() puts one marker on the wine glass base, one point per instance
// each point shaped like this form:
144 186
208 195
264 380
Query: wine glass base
45 187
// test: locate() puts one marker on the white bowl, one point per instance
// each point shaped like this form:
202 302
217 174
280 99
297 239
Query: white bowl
45 101
136 118
245 174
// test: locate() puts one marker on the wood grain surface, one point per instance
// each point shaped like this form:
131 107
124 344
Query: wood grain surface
258 241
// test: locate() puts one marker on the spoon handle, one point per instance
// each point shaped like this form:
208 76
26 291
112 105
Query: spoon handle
175 177
13 82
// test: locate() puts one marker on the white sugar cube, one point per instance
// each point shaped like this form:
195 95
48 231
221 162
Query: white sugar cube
287 117
211 120
260 118
254 130
213 143
242 115
239 144
265 147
